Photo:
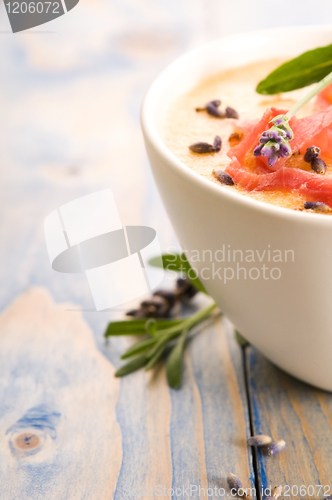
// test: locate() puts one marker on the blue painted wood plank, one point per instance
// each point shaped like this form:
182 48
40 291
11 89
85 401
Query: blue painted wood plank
209 424
59 435
71 430
288 409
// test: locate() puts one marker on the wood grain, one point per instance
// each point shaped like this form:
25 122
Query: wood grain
116 438
288 409
56 386
183 440
218 369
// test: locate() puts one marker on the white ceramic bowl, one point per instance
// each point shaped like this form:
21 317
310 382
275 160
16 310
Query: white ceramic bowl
288 319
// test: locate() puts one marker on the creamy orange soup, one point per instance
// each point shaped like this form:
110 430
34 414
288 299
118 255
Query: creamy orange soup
235 88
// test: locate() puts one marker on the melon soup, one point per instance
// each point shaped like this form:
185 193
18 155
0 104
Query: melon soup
285 312
189 122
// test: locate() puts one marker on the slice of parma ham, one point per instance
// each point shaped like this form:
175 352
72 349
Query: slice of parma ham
288 174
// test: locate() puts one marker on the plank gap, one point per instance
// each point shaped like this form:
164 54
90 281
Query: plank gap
251 421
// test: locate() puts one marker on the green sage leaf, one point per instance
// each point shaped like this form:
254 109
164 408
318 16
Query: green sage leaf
157 353
137 326
139 347
175 361
151 326
310 67
178 263
132 366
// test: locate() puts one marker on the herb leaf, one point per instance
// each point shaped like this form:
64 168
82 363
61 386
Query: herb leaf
156 353
175 361
137 326
132 366
310 67
179 263
148 351
139 347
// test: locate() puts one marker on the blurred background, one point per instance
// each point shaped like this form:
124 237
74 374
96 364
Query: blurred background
70 97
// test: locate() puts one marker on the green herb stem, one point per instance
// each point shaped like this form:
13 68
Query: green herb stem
149 351
175 361
186 323
313 92
199 316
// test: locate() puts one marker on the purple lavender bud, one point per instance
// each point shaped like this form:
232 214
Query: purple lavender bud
267 150
214 103
288 132
223 177
258 150
275 147
231 113
213 110
272 159
168 295
275 448
201 148
259 440
217 143
285 150
274 135
318 206
264 140
234 482
311 153
318 165
279 121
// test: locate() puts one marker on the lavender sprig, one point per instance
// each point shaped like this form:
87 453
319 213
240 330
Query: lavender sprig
274 143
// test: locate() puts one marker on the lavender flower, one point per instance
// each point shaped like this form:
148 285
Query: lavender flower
318 165
259 440
234 482
311 154
223 178
276 447
274 143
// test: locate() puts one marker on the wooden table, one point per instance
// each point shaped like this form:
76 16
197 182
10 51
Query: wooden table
71 128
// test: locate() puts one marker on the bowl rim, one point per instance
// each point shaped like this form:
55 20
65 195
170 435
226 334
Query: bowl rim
152 135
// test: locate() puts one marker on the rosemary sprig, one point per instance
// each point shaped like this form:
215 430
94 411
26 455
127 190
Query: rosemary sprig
162 336
146 353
